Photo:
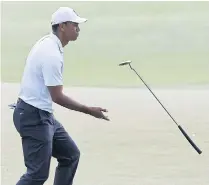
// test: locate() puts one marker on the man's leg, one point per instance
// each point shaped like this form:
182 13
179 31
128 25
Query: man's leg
67 154
36 131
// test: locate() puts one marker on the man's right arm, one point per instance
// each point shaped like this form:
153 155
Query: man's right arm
65 101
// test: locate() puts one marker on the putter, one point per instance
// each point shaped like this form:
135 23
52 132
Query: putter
180 128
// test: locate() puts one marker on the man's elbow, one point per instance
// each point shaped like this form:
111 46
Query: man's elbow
55 98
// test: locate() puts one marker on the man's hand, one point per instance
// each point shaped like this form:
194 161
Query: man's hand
98 112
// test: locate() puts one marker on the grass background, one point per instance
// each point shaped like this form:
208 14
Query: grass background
168 42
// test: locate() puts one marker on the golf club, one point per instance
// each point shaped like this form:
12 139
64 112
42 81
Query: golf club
180 128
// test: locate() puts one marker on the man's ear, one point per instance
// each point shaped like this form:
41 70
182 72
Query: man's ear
62 26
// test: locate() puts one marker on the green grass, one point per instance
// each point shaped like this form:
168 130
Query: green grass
168 42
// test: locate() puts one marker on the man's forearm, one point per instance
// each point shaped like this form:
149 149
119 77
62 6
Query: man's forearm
69 103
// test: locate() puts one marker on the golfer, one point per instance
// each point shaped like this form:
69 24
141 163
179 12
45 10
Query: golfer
42 84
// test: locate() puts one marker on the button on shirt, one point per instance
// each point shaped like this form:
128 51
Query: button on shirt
44 67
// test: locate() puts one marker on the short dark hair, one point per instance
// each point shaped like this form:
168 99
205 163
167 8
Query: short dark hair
55 26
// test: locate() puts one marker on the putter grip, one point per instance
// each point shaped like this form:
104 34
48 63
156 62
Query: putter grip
189 139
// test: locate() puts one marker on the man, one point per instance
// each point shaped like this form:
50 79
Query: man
42 83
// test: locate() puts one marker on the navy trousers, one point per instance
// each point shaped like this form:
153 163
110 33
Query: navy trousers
44 137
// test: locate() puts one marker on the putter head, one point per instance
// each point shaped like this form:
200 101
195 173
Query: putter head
125 63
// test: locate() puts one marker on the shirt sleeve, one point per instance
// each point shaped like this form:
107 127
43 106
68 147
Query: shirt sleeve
52 71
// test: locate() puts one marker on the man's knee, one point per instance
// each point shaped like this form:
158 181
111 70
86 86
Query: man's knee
70 158
78 154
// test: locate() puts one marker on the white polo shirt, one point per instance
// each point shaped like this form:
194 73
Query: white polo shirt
44 67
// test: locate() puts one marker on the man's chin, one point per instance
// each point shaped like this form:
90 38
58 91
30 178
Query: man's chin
74 39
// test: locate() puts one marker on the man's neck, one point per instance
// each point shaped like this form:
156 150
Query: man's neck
60 38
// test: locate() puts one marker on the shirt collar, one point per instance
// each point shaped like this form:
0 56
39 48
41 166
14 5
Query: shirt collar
57 40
